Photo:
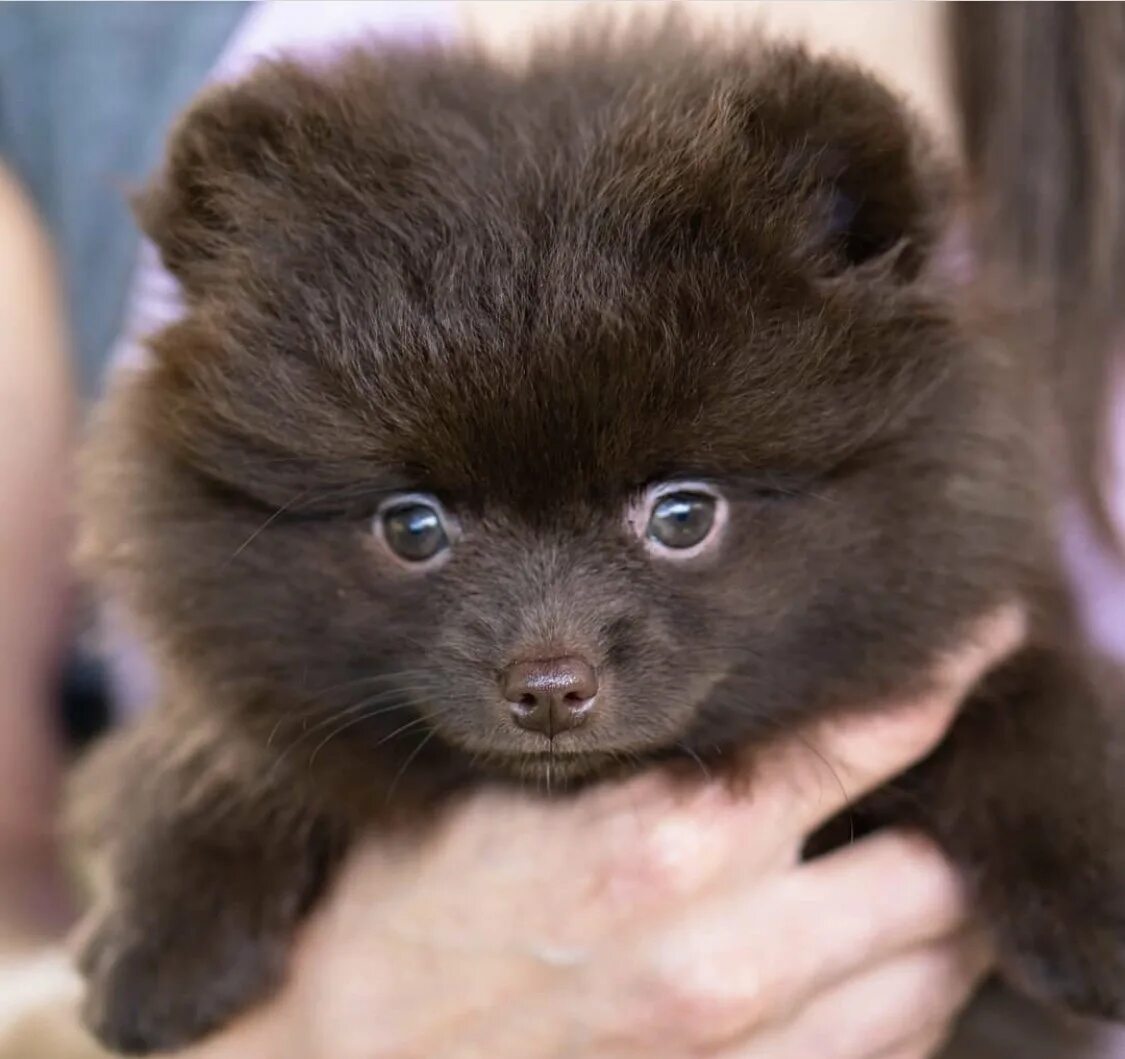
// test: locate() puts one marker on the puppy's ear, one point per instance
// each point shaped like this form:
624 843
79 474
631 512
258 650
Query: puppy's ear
878 194
228 155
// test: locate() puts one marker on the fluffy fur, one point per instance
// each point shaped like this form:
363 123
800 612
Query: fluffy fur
532 293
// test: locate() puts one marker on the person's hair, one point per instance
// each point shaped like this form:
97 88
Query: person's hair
1040 88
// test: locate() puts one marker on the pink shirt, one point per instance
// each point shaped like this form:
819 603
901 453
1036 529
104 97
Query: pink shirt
1099 575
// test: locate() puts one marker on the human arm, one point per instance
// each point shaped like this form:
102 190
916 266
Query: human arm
36 410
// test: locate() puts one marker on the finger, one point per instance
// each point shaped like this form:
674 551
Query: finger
736 962
926 1045
886 1010
809 779
887 893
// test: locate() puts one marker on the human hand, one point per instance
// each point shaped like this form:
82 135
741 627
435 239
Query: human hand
650 919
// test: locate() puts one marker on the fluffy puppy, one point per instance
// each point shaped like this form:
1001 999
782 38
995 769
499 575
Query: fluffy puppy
531 424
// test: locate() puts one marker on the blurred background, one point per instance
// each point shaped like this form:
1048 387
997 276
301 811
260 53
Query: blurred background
87 95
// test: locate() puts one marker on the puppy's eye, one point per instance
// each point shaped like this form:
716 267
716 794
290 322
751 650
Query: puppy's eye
682 520
414 528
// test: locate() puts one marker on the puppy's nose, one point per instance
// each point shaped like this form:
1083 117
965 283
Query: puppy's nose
551 695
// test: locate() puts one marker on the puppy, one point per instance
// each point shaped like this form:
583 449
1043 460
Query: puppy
525 423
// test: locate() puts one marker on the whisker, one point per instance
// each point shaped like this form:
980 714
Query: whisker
351 724
792 731
848 803
340 715
332 735
274 730
360 681
335 714
337 493
406 764
266 525
697 759
403 728
308 730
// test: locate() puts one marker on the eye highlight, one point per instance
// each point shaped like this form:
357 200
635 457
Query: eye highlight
415 528
681 519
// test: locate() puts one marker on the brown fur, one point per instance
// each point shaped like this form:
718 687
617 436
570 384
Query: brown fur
531 293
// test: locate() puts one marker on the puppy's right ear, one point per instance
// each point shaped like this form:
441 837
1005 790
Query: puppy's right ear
227 156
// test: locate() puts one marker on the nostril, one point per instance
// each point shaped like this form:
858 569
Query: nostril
526 704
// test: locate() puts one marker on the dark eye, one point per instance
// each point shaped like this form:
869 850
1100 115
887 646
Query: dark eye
414 529
682 520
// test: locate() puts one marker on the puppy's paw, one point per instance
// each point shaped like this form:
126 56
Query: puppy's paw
158 987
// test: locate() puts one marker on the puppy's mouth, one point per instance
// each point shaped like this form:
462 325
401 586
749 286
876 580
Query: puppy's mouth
554 768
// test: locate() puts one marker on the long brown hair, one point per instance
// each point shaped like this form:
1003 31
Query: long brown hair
1041 92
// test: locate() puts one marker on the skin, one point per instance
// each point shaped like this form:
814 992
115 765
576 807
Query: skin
656 917
36 417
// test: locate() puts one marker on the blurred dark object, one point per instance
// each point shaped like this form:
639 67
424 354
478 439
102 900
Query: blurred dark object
1001 1025
84 698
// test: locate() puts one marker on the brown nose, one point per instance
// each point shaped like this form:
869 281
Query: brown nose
552 695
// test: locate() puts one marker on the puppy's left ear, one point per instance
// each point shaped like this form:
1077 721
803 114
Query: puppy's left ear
878 194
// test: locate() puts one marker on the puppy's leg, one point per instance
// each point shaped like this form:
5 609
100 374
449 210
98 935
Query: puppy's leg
206 874
1028 795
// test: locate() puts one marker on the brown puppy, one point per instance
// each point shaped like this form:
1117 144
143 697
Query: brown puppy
523 423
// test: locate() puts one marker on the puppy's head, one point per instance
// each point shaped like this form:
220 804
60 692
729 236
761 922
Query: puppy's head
569 415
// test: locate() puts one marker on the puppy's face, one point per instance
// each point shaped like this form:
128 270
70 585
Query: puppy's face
556 420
